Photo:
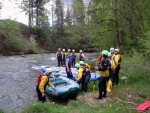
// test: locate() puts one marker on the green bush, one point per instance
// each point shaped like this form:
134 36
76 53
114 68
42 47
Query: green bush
32 46
43 36
15 43
12 41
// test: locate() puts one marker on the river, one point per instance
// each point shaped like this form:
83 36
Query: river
18 75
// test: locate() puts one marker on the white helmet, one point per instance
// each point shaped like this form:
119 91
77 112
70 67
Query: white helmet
68 50
117 50
63 49
80 51
111 49
48 70
73 50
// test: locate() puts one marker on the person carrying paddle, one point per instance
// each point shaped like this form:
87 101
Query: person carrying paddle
104 72
42 82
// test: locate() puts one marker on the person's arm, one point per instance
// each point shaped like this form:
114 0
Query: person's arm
51 85
83 56
88 66
67 65
44 80
117 60
98 60
56 54
62 54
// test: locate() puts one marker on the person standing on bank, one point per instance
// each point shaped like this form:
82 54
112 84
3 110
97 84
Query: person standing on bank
104 72
43 81
63 57
74 56
117 60
68 65
81 56
81 75
59 57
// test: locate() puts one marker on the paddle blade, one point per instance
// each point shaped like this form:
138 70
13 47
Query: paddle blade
94 91
109 86
143 106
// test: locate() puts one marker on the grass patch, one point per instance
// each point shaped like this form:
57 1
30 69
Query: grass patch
1 111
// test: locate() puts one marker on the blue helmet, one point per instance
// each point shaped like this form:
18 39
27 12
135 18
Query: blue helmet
43 69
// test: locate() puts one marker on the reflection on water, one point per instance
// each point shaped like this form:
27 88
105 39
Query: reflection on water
18 76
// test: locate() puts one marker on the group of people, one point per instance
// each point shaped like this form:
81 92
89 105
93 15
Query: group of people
108 63
83 74
62 55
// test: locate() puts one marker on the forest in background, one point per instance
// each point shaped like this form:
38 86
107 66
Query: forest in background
91 25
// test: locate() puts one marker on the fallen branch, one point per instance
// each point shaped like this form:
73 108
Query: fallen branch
125 101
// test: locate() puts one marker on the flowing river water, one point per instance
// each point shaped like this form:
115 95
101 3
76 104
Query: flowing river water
18 76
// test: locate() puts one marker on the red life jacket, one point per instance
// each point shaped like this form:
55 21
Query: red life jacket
40 77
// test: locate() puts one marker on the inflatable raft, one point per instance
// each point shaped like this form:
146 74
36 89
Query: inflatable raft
64 88
62 72
94 76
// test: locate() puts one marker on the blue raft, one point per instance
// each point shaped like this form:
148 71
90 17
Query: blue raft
62 72
64 88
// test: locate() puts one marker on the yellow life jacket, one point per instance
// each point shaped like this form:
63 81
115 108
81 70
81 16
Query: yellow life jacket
104 73
117 59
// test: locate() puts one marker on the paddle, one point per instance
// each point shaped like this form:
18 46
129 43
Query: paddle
94 86
94 82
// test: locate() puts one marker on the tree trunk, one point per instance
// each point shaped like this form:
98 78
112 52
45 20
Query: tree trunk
116 25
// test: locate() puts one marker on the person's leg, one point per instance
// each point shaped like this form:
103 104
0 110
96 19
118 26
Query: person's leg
73 63
86 82
43 99
83 82
113 77
85 86
70 74
117 76
39 93
100 86
59 62
67 73
104 87
64 62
